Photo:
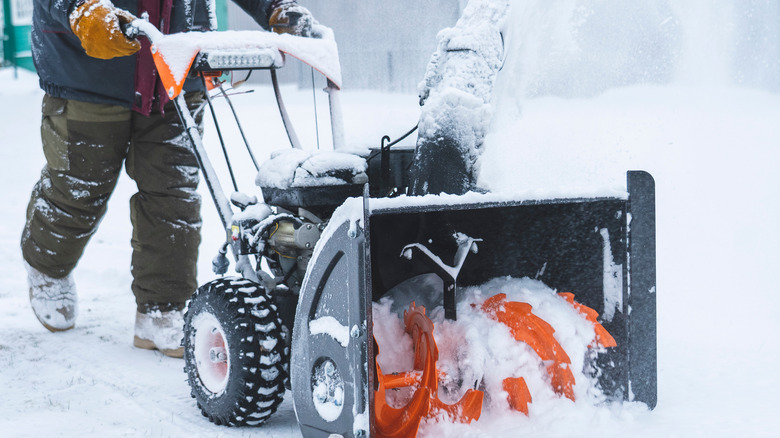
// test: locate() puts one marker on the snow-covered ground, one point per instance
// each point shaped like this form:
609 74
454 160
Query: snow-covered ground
713 149
713 153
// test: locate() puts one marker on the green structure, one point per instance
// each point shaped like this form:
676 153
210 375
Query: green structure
222 14
17 19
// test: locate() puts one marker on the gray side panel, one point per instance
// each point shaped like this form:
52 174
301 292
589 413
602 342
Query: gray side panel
334 287
642 353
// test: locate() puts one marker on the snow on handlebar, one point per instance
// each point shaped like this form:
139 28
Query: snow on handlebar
141 27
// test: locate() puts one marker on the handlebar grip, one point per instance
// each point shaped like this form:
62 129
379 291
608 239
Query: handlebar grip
129 29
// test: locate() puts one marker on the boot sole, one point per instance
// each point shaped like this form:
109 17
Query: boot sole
47 326
146 344
53 329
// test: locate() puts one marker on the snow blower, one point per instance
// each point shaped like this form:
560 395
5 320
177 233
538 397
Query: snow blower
337 241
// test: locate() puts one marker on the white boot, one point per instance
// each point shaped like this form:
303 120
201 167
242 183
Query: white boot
53 300
162 331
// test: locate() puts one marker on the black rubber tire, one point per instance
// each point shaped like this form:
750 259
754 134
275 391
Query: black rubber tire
257 356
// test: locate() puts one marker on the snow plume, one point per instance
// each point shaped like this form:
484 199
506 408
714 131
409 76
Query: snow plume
539 38
580 48
704 26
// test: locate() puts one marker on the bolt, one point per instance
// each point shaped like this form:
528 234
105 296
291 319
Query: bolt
360 432
352 234
355 332
218 355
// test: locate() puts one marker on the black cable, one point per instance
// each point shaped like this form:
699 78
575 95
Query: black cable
393 143
219 133
240 129
316 122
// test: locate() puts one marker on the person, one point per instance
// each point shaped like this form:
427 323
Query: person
104 107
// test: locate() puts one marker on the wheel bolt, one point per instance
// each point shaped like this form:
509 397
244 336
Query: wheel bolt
217 355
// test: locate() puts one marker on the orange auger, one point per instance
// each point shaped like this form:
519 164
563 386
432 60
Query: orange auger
403 422
603 338
525 327
534 331
519 396
538 334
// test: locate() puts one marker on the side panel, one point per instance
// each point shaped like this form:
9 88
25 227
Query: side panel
643 367
332 304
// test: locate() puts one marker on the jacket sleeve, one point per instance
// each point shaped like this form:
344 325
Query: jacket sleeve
59 10
259 10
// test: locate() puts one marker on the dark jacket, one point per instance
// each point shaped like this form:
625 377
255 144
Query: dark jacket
66 71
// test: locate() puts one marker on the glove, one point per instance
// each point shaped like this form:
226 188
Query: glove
96 24
289 17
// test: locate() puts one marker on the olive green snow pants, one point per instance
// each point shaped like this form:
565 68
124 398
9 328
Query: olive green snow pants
85 145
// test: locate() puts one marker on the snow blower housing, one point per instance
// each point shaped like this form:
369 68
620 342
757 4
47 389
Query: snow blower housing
334 244
603 248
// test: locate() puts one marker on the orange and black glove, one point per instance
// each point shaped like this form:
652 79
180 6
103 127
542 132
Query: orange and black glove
287 16
96 24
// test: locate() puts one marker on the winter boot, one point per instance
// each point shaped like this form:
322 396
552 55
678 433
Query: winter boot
158 330
53 300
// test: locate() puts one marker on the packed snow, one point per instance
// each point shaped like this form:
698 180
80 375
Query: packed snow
332 327
705 127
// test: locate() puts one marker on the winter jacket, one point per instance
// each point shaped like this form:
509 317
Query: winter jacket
65 70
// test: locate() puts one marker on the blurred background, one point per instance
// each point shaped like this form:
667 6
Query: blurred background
568 48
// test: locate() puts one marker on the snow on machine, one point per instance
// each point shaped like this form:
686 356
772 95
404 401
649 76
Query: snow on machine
342 272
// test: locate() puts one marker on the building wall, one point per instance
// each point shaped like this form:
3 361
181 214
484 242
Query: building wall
382 45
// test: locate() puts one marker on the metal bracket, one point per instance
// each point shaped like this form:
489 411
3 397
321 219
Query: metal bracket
448 274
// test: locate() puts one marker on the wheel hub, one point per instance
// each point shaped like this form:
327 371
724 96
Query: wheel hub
327 390
211 353
218 355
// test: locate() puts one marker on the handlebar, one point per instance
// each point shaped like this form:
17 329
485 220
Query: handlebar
140 27
130 30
